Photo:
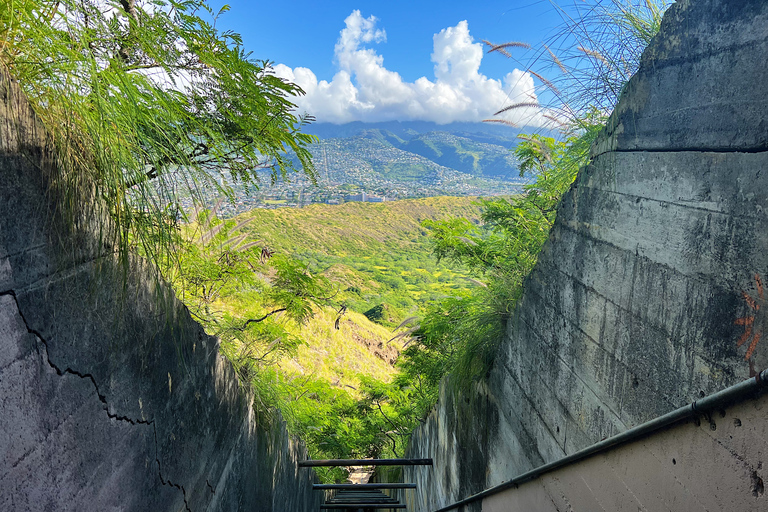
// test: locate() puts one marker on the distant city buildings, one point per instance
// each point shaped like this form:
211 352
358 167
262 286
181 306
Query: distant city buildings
346 167
365 198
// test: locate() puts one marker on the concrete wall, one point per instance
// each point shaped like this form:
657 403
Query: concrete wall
650 290
113 398
698 465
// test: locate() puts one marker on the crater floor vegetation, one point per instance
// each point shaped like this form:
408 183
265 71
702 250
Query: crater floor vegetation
314 306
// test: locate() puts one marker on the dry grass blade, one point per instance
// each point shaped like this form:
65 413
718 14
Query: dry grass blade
247 246
557 61
216 207
235 241
593 53
405 333
524 104
502 121
241 224
208 235
406 322
546 82
545 150
411 340
502 48
499 50
555 120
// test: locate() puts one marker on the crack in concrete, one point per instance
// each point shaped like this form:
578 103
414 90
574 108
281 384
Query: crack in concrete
102 398
27 249
168 482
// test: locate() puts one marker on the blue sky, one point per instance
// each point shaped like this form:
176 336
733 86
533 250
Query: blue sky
386 60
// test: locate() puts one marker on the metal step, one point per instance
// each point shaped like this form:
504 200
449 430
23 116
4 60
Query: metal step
362 506
362 486
365 462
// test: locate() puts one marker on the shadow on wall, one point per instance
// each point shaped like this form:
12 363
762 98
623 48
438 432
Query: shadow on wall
113 397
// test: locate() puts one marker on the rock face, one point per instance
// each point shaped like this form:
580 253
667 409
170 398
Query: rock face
113 398
651 289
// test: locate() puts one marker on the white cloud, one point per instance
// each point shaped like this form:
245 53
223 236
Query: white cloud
364 90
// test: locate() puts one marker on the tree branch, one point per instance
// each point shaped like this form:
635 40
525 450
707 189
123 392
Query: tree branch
130 8
394 443
257 320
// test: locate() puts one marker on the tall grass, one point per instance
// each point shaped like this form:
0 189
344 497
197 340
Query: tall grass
144 106
583 66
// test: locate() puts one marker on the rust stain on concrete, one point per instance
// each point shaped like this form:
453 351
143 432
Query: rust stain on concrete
753 330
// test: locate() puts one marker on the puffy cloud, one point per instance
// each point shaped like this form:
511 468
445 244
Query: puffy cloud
364 90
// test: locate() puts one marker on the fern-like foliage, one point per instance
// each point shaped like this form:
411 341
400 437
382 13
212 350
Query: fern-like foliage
146 101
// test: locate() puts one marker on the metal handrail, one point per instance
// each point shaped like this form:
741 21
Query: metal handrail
702 405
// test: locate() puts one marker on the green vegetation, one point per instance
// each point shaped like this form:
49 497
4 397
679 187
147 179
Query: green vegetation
305 302
138 101
335 315
325 285
462 333
299 297
464 154
134 92
373 252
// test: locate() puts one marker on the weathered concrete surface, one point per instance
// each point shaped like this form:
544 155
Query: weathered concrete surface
113 398
706 465
650 291
700 85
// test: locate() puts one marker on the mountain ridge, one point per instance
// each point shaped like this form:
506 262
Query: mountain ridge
417 155
408 129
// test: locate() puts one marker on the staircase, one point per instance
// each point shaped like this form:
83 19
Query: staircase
362 497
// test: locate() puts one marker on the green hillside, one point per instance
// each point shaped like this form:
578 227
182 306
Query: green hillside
464 154
376 253
354 226
376 259
308 302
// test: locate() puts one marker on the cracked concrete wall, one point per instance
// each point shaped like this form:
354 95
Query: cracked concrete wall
650 290
113 398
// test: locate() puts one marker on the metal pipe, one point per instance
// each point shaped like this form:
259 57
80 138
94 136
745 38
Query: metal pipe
363 486
365 462
703 405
